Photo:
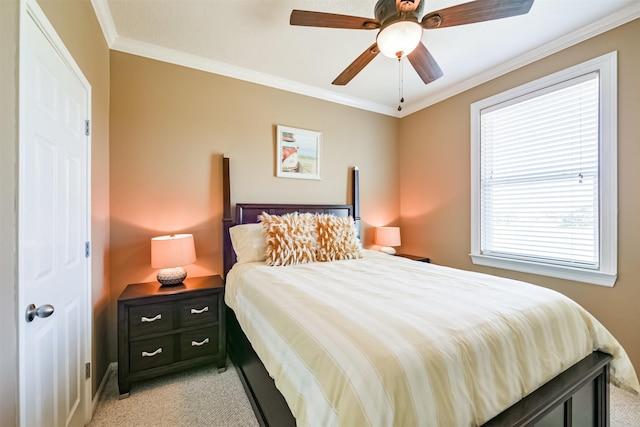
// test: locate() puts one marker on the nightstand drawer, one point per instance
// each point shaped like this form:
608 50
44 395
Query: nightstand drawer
199 342
150 353
196 311
150 318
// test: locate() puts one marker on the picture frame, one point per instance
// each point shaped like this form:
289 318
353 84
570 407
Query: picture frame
298 153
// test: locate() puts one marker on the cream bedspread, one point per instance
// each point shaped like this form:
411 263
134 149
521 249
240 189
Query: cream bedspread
384 341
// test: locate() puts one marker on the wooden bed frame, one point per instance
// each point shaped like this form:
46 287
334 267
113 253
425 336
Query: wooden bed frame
577 397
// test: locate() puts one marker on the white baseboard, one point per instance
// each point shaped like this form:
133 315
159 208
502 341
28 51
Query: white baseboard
112 368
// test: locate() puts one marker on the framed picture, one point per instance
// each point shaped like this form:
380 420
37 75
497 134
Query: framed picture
298 153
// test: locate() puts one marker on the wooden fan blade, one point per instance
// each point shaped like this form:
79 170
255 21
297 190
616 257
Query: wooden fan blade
357 65
331 20
424 64
475 11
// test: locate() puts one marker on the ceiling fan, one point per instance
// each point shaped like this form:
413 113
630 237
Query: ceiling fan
401 23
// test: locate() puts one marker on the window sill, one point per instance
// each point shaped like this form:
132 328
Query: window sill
562 272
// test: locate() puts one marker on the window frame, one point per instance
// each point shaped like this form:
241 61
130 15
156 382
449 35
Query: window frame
606 274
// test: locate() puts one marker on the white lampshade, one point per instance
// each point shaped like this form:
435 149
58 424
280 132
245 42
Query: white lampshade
386 237
399 39
171 253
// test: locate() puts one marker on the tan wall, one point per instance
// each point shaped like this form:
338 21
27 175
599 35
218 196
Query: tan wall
76 24
9 19
435 182
169 128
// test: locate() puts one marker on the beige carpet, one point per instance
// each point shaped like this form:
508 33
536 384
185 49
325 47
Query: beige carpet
625 408
197 397
203 397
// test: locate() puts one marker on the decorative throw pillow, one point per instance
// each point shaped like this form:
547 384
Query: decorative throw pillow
337 238
249 243
291 238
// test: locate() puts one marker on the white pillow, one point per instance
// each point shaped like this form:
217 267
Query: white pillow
249 242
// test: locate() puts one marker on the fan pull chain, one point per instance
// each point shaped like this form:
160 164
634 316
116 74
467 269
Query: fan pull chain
400 83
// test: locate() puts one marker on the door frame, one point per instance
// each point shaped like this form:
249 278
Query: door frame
29 9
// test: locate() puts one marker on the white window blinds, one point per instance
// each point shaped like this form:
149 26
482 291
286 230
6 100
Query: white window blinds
539 175
544 178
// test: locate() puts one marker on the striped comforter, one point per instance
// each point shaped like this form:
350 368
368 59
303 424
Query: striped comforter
384 341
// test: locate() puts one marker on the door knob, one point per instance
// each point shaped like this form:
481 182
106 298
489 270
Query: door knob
45 310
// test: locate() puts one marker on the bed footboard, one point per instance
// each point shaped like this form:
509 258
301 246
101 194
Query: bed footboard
577 397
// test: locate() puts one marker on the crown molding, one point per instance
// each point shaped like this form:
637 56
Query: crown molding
610 22
208 65
105 20
151 51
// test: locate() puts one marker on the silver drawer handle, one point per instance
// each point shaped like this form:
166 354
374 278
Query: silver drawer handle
195 311
158 351
198 344
152 319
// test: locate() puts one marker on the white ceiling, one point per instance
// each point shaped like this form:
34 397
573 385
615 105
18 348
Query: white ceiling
252 40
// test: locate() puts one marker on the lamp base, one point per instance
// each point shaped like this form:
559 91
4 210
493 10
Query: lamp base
171 276
387 250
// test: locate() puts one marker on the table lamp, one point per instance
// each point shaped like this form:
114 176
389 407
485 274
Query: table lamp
170 253
386 237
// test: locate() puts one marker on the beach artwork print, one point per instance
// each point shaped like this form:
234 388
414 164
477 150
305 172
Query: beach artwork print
298 153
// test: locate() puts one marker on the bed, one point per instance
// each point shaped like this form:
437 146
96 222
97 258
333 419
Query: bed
412 368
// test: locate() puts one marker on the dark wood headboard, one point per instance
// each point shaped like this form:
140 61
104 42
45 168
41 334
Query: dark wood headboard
247 213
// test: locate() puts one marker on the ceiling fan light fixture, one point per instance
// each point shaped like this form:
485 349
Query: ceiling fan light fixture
399 39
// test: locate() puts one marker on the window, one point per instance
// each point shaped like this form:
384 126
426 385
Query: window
544 175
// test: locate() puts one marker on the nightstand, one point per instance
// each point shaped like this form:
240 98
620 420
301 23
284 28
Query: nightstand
415 257
167 329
